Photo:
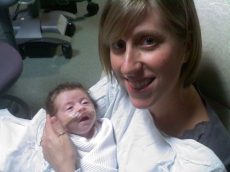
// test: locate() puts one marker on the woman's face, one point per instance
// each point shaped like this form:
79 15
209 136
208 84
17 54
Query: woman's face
76 112
148 61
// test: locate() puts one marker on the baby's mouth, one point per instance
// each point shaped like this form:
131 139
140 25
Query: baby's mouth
83 118
80 117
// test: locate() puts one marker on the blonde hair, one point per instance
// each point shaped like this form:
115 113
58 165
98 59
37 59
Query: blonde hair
119 17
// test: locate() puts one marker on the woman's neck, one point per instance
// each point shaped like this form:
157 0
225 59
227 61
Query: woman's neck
179 112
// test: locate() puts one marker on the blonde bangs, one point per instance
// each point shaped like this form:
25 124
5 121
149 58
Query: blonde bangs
120 20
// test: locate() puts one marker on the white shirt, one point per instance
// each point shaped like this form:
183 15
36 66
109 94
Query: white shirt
140 145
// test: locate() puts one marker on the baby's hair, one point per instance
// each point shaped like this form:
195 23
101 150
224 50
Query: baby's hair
66 86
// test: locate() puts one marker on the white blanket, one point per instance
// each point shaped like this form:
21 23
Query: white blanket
20 149
11 133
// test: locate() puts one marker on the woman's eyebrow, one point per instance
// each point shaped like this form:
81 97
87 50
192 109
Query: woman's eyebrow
155 34
148 32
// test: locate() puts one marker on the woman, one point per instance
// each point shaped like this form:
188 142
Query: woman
151 50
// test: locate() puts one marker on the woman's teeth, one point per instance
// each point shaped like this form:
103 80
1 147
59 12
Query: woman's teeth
140 85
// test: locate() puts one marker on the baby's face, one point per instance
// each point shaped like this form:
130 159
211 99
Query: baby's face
76 112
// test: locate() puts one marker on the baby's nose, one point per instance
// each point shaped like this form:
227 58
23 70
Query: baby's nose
80 108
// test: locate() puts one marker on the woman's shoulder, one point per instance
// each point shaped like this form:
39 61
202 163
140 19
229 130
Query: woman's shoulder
103 84
105 93
212 134
106 88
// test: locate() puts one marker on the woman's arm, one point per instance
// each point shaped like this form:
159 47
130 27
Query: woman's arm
57 148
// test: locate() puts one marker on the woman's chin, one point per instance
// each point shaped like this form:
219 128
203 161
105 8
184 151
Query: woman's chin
140 103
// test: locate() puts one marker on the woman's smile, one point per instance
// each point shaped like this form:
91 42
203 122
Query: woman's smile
136 87
139 84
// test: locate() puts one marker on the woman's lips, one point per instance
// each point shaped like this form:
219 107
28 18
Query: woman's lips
139 84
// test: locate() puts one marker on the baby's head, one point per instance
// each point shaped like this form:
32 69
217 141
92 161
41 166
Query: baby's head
74 107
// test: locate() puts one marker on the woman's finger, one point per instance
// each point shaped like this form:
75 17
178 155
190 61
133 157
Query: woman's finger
57 126
57 147
48 129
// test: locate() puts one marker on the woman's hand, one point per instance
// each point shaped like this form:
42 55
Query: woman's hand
57 147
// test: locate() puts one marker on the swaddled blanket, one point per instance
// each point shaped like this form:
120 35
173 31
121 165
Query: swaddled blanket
21 150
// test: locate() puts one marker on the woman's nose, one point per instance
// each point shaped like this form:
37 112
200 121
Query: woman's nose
131 63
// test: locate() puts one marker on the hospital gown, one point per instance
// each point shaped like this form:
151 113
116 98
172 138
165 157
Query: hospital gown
141 147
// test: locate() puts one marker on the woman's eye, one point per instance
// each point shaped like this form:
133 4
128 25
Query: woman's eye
118 46
148 42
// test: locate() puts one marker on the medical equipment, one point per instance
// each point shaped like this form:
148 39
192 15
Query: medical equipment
34 29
